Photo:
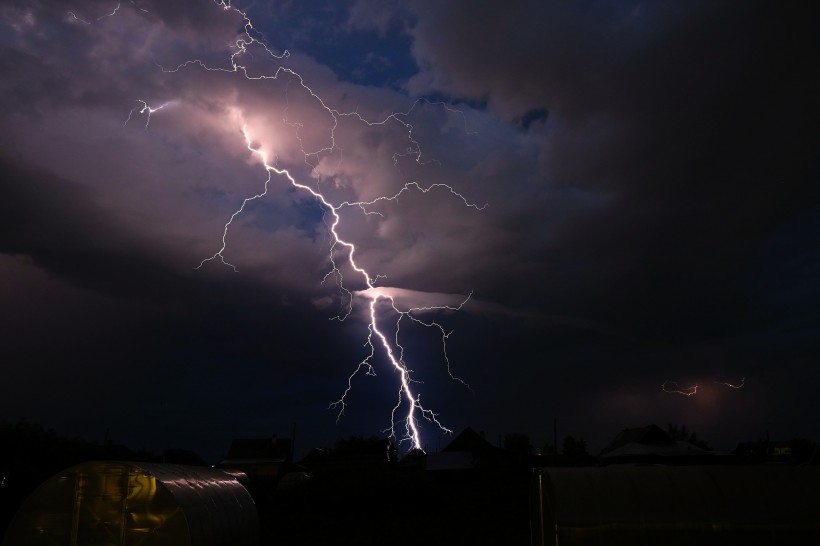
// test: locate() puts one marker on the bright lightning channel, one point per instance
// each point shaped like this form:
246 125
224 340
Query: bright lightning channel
405 428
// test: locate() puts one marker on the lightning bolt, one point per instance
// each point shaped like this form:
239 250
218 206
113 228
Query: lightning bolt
732 385
112 14
74 17
380 301
675 388
146 110
117 8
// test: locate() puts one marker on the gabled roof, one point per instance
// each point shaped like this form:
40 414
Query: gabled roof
317 455
650 435
468 440
651 445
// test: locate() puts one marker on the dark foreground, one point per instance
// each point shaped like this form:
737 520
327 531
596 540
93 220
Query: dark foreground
397 508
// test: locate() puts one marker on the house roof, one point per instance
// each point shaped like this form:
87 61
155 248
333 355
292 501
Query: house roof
317 455
650 435
649 442
468 440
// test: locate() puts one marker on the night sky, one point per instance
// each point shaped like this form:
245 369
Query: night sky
653 215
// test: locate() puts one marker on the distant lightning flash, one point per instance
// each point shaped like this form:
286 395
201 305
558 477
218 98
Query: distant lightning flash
675 388
403 426
732 385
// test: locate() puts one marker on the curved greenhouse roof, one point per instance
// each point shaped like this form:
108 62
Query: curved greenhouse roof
131 504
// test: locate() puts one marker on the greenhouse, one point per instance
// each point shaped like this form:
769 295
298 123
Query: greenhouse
137 504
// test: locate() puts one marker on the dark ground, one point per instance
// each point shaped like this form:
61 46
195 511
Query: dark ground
397 507
353 500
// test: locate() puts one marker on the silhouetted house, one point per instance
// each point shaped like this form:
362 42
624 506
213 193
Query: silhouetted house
357 454
468 451
652 445
316 457
780 450
469 440
415 459
264 460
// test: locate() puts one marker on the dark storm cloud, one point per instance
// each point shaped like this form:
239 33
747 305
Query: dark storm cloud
56 223
99 313
154 309
689 120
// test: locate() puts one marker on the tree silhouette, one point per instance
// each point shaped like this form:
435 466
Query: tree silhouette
518 443
681 433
